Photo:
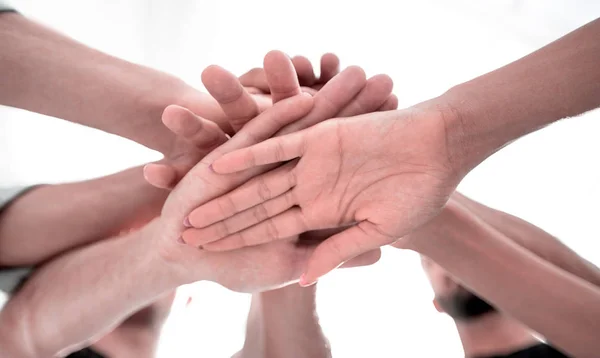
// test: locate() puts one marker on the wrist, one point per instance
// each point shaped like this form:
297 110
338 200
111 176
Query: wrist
445 234
455 112
302 299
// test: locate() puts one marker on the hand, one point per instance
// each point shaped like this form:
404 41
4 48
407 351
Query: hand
279 263
387 173
243 99
255 80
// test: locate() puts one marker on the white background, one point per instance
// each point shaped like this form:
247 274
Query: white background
549 178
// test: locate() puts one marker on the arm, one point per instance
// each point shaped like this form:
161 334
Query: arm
284 323
50 219
139 334
46 72
554 303
534 239
80 296
557 81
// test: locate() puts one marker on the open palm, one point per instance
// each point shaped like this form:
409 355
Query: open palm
386 173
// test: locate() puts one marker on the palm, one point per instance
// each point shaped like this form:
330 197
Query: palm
386 172
348 174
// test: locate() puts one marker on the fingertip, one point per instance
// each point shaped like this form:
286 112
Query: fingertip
390 104
274 56
330 66
159 175
330 59
357 72
210 72
384 81
305 281
170 114
181 121
304 71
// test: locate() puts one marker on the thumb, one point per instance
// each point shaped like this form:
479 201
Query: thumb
339 248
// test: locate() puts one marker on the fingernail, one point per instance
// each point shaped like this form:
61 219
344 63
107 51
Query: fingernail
180 240
304 281
306 94
187 223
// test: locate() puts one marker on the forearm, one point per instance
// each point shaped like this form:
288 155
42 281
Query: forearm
46 72
559 306
51 219
557 81
81 295
534 239
283 323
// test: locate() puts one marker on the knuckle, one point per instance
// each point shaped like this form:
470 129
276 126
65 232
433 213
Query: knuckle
264 193
272 232
221 229
260 213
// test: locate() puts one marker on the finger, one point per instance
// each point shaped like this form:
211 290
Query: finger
373 95
274 150
332 98
304 70
281 76
258 190
366 259
342 247
255 78
309 90
236 102
160 175
263 101
204 134
193 192
284 225
236 223
330 66
391 104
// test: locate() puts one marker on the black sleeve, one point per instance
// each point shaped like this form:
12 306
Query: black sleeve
86 353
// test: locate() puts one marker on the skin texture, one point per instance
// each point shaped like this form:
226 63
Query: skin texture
484 251
149 263
349 170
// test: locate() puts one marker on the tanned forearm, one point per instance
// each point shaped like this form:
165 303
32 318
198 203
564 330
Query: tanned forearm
554 303
46 72
48 220
283 323
557 81
78 297
534 239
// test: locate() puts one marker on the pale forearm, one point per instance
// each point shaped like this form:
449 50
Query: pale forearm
559 80
534 239
51 219
46 72
283 323
559 306
78 297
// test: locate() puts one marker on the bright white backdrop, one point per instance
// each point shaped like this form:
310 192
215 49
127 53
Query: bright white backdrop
549 178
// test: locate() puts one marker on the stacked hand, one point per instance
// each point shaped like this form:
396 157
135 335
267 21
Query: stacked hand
256 268
384 174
